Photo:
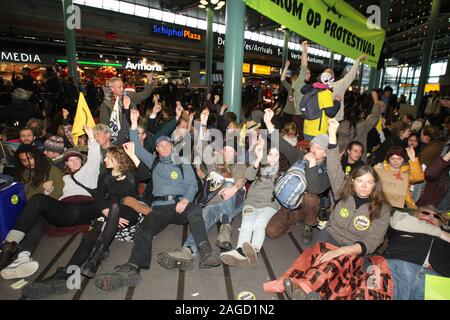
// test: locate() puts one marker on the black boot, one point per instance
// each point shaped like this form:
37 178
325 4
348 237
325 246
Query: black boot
55 284
209 257
126 275
8 253
90 267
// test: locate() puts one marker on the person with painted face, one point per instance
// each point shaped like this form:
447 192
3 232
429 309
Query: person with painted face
174 189
418 246
395 162
325 102
316 169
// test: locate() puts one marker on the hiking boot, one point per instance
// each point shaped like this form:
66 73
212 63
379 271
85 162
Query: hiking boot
224 238
235 259
209 257
90 267
22 267
250 252
181 259
299 294
7 254
55 284
126 275
307 234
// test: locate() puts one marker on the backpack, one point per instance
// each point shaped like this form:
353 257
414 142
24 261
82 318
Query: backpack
290 187
309 105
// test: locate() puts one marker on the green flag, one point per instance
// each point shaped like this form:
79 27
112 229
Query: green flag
331 23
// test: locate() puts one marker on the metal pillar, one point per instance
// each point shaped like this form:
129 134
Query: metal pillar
234 54
428 50
285 48
331 61
69 34
361 74
209 47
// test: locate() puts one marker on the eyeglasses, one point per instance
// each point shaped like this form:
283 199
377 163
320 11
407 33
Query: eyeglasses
435 215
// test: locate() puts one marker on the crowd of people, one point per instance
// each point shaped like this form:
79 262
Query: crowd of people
156 158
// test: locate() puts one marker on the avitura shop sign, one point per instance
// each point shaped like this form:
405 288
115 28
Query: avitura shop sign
331 23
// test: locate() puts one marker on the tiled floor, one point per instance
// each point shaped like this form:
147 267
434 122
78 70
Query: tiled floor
219 283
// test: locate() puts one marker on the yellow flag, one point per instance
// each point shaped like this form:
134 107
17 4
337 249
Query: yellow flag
82 117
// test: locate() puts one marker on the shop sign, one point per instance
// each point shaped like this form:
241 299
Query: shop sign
177 33
142 66
260 69
20 57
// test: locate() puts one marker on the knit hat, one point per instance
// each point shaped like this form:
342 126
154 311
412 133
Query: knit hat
396 151
321 141
161 139
72 153
54 144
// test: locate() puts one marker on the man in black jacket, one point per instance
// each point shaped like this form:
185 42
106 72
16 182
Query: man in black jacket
417 247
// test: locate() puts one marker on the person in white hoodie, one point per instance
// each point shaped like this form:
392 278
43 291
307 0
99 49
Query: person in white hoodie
74 207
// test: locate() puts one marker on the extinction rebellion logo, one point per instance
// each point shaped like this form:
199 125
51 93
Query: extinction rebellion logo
173 32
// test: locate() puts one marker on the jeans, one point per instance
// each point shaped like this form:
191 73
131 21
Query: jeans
157 221
308 137
253 226
409 279
215 212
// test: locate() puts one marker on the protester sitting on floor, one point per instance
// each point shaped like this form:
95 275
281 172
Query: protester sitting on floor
26 136
436 177
74 207
36 173
353 128
116 201
395 162
351 159
417 247
316 170
259 207
398 138
432 148
174 190
413 142
54 150
289 133
222 198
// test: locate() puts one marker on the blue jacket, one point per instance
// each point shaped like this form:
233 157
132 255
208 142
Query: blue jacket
167 177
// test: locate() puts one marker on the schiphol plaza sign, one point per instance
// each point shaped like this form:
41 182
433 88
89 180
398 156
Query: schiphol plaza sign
331 23
175 32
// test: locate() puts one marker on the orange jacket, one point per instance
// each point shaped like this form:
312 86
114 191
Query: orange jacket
416 175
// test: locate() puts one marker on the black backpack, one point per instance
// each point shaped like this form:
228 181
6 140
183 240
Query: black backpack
309 105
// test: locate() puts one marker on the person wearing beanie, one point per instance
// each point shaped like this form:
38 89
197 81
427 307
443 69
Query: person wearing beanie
53 151
395 162
318 183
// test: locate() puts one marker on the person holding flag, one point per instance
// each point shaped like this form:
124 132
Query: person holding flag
83 117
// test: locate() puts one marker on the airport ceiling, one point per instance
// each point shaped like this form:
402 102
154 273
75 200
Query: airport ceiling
405 34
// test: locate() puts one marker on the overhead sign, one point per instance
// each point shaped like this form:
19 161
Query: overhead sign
177 33
144 66
330 23
432 87
260 69
22 57
246 68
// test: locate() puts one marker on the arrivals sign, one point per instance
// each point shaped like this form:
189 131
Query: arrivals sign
175 32
331 23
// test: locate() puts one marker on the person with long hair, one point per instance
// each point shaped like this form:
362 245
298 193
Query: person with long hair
359 219
74 206
259 207
116 208
432 144
36 173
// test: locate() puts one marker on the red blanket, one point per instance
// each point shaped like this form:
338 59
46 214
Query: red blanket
342 278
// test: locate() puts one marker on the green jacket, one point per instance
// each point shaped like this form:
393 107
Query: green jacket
55 175
294 94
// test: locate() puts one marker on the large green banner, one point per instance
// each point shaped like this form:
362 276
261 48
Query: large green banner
331 23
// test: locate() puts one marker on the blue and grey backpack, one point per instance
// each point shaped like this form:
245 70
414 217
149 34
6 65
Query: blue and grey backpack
290 187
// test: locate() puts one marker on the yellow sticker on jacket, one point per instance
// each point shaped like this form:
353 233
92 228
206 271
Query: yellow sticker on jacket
344 213
174 175
361 223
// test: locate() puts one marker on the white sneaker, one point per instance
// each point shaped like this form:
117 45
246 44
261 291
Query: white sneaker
20 268
235 259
